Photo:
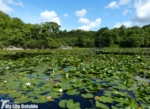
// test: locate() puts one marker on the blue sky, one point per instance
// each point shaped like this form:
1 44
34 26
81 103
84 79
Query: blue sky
80 14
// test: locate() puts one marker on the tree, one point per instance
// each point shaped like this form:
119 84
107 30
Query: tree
53 28
50 28
136 40
115 36
82 41
102 38
123 31
13 31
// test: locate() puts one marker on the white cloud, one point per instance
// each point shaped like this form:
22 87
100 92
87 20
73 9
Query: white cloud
142 11
84 20
91 24
66 15
81 13
14 3
88 25
127 24
124 2
114 4
49 16
126 11
5 8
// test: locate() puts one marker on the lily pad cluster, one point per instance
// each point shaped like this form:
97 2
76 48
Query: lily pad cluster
123 80
69 104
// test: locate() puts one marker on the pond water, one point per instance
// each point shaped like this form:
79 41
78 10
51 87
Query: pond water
88 80
85 103
53 105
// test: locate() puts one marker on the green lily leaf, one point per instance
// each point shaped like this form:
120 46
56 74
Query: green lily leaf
108 93
71 105
62 103
17 94
6 91
93 87
55 94
122 100
147 99
26 88
23 99
88 95
144 106
73 92
133 105
38 101
101 106
66 86
42 99
12 86
105 99
114 107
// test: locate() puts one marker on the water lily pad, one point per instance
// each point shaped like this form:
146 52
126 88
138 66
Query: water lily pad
16 95
105 99
62 103
23 99
72 105
38 101
133 106
55 94
66 86
93 87
12 86
73 92
122 100
25 88
101 106
114 107
144 106
88 95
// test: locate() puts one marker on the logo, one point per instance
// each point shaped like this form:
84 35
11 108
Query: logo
6 104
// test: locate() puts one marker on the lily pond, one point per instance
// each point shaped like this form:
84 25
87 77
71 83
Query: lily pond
77 80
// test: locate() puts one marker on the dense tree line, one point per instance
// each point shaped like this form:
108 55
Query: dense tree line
13 31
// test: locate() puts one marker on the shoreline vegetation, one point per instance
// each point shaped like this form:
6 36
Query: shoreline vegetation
6 54
47 35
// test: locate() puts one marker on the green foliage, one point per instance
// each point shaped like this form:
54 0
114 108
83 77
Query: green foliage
48 35
42 78
69 104
87 95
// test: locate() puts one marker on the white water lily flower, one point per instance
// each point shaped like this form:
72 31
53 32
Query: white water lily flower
5 81
49 97
28 84
60 90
